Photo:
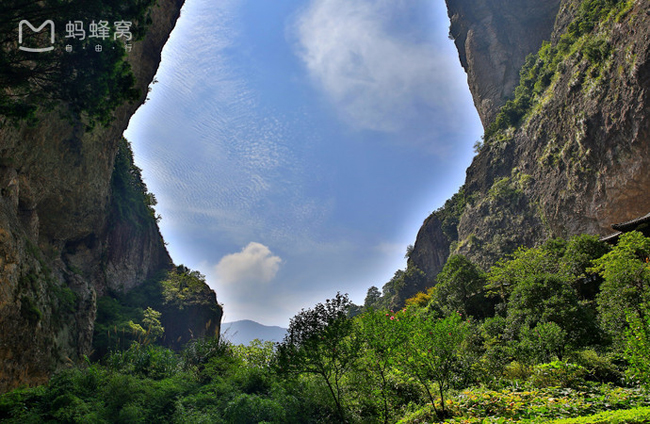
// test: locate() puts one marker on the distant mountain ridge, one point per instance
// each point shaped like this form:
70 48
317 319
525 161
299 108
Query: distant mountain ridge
245 331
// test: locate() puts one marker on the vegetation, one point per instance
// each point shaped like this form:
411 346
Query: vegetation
86 83
140 315
556 333
132 202
541 352
542 69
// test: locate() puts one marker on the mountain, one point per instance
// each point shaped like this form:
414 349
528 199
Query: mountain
76 221
243 332
562 88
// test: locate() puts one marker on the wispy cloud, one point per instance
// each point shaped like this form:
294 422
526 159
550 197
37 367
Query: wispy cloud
254 264
219 161
376 63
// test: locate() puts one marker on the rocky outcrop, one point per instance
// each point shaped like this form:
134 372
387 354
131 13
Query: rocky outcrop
493 38
60 245
431 249
577 160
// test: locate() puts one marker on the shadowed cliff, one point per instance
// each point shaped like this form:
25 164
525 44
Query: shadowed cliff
66 235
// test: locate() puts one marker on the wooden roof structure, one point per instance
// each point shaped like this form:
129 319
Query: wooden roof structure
641 224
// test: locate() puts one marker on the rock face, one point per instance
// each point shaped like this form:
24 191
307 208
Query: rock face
431 248
493 38
577 161
60 248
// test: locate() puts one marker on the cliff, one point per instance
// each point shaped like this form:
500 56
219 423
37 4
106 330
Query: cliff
493 37
64 237
566 147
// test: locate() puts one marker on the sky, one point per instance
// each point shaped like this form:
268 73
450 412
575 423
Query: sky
296 147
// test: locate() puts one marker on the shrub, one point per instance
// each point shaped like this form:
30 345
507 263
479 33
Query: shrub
638 347
558 374
145 360
599 368
629 416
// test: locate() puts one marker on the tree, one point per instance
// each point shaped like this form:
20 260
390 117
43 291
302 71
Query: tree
507 272
380 343
460 288
320 341
372 298
545 298
431 351
637 348
403 285
581 251
626 286
184 287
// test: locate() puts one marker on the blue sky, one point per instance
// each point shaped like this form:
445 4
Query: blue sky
296 147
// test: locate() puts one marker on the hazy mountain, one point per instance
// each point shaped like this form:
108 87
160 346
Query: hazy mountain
243 332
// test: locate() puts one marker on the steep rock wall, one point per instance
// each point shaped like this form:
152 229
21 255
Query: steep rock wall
578 160
60 244
493 37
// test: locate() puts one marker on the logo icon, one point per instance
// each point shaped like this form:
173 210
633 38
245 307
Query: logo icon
34 29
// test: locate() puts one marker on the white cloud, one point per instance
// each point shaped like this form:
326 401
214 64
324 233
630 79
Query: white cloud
379 67
254 264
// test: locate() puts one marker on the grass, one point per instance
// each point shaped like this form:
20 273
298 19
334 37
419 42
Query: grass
627 416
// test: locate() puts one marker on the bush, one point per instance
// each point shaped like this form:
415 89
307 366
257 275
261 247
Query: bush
253 409
148 361
599 368
638 346
516 371
628 416
558 374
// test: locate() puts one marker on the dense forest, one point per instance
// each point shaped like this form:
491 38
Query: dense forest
549 333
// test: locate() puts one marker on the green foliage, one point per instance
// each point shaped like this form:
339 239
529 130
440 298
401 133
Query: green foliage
88 84
380 343
460 289
29 310
151 322
628 416
258 354
253 409
373 297
132 202
601 368
449 214
548 284
402 286
142 313
535 360
147 361
508 272
318 342
539 71
638 346
542 299
504 189
545 342
532 405
112 330
184 287
558 374
626 285
431 352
